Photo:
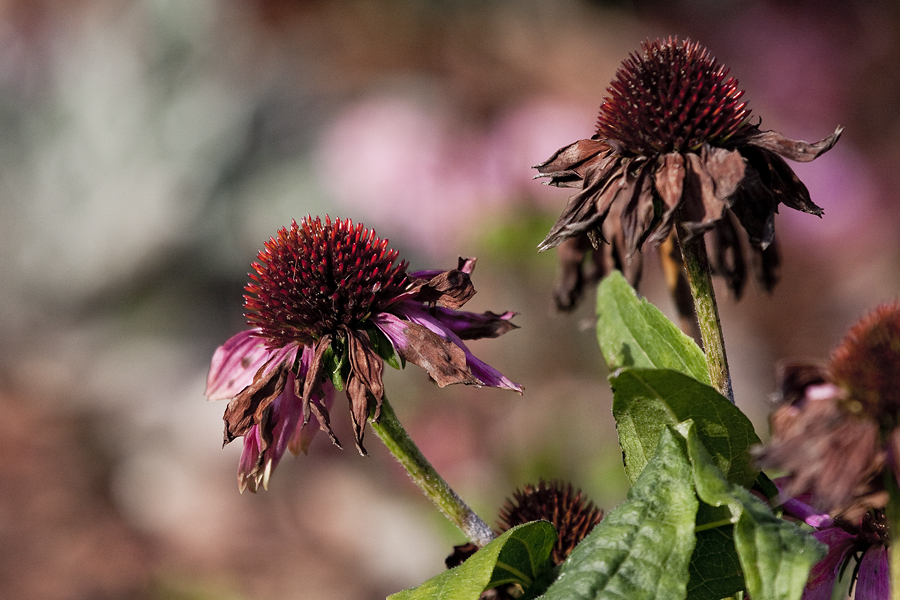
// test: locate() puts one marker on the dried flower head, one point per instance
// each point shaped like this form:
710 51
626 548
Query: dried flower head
835 429
573 515
327 305
570 512
674 145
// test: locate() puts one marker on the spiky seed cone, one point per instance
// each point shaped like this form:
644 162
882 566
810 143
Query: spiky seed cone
314 277
672 97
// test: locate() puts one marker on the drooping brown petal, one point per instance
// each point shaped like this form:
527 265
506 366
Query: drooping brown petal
451 288
248 407
320 413
726 167
367 366
728 255
788 188
701 207
444 361
359 408
570 282
311 382
566 168
586 210
793 149
766 263
669 183
755 202
638 212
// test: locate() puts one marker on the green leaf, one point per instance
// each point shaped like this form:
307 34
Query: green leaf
521 555
715 568
646 400
634 333
640 550
336 362
776 555
384 347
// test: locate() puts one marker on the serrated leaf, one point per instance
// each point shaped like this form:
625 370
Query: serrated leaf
640 550
646 400
521 555
634 333
776 555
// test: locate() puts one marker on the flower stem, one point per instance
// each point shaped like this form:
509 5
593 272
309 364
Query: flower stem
892 512
389 429
696 263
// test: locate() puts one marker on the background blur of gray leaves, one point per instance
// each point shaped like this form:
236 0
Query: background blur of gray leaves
148 148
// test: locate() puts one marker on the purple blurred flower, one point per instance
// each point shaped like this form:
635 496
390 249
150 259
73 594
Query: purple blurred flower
327 305
864 539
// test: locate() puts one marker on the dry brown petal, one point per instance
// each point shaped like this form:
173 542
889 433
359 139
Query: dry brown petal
359 408
638 213
367 366
247 407
312 381
451 288
444 361
726 167
793 149
567 166
701 207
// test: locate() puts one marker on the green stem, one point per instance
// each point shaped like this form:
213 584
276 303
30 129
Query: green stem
892 512
398 442
696 264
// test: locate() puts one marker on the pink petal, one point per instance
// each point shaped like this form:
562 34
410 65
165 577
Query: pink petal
234 364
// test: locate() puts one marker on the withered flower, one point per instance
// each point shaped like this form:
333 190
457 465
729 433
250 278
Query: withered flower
674 145
573 515
836 430
327 305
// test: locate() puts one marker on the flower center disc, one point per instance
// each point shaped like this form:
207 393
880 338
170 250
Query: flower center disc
673 97
314 277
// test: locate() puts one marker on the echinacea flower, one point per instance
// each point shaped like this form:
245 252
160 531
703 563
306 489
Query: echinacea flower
327 305
570 512
674 146
864 539
836 430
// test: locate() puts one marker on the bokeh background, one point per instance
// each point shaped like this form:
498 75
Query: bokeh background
148 148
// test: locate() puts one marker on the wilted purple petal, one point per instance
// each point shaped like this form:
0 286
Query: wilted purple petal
235 363
873 582
799 509
487 374
473 326
825 572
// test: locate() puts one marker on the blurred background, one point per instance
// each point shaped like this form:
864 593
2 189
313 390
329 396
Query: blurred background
148 148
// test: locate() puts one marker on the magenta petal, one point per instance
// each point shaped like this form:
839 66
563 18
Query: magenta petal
825 572
234 364
249 458
873 582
